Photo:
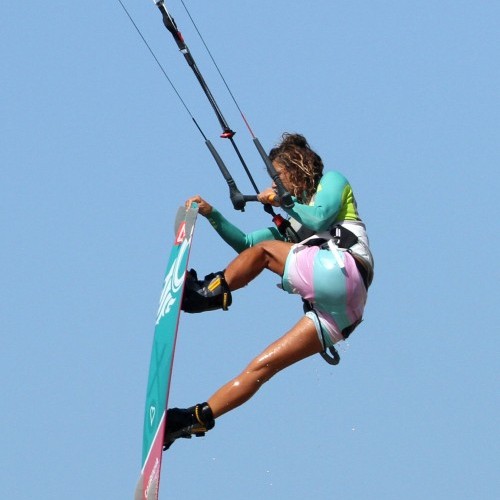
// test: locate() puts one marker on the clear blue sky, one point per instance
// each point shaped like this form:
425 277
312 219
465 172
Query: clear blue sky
97 154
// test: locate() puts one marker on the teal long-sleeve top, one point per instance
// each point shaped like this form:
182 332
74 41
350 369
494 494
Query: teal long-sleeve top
333 202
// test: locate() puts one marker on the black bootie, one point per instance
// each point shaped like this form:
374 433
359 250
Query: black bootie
207 295
184 423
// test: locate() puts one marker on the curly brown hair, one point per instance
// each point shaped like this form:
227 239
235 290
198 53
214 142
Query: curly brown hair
303 166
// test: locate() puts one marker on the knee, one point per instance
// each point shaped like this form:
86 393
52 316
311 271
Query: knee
261 248
272 254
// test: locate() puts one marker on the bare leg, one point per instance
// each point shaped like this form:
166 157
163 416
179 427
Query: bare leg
298 343
252 261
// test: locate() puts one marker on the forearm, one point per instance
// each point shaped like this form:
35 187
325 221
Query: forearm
235 237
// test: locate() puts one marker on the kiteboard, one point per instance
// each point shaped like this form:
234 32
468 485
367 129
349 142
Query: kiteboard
162 355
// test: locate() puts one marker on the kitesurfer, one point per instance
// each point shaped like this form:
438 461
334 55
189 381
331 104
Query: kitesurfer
331 268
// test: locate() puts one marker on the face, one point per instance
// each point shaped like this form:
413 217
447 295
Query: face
283 175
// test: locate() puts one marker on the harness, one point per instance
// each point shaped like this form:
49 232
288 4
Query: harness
342 238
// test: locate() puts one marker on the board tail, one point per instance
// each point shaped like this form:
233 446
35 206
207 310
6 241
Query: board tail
151 492
139 490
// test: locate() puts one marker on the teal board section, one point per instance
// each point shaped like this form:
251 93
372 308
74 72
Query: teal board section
162 355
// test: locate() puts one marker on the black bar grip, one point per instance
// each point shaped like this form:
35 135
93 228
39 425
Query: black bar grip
237 199
250 197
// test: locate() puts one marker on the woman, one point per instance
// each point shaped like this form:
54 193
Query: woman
331 269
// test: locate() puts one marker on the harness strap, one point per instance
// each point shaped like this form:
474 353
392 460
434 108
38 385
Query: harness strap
333 358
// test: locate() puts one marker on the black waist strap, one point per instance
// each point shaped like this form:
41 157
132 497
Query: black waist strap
362 271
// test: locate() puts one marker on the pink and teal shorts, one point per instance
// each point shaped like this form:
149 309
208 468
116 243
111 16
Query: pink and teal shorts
337 293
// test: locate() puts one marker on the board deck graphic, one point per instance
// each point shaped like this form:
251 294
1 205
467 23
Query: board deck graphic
162 355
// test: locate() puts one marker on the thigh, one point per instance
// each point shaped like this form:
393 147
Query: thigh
340 293
336 293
